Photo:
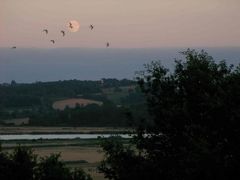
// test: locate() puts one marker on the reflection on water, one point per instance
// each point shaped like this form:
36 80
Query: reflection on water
56 136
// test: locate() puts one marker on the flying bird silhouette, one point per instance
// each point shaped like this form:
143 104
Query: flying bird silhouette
46 31
63 33
91 27
53 41
70 25
107 44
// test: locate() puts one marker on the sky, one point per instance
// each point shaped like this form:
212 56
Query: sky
123 23
31 65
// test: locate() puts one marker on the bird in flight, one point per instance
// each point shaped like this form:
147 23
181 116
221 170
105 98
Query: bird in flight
14 47
63 33
52 41
46 31
91 27
107 44
70 25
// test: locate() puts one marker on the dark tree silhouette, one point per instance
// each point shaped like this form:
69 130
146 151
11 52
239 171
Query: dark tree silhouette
194 127
23 164
51 168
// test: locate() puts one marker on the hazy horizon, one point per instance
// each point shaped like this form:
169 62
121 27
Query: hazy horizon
31 65
138 31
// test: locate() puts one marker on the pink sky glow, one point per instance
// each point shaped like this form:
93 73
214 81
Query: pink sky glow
123 23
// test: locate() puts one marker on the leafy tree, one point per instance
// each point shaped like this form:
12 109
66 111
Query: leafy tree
18 165
79 174
120 162
51 168
5 167
194 127
22 164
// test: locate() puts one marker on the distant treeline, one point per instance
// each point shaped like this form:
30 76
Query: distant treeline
35 101
19 95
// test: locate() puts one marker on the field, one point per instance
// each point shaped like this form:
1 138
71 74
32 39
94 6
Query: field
17 121
85 154
61 130
87 158
71 103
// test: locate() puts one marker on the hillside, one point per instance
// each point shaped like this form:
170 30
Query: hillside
69 103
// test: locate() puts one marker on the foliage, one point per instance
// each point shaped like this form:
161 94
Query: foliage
23 164
194 128
41 93
5 167
91 115
35 102
120 160
79 174
51 168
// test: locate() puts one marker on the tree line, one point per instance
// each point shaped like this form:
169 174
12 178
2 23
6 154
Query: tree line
35 101
42 93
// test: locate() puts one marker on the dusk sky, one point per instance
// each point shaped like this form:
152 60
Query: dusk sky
124 23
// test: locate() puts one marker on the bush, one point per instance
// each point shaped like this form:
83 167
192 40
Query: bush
193 131
22 164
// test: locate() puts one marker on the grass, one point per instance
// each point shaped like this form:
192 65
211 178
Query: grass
45 143
61 130
76 153
87 158
71 103
17 121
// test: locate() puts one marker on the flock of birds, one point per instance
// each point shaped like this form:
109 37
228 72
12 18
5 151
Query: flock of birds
91 27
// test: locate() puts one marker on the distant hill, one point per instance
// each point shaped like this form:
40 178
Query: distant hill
69 103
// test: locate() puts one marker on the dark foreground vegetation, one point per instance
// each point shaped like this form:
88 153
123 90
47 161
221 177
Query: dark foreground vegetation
194 127
22 164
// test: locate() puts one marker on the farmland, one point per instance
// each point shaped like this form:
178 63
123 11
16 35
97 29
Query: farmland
68 107
17 121
72 103
85 154
61 130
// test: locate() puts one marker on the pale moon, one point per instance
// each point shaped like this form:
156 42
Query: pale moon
73 26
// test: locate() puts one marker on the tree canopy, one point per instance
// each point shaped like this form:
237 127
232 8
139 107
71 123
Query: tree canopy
193 129
23 164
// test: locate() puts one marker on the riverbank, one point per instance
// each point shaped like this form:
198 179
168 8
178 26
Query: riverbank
59 136
61 130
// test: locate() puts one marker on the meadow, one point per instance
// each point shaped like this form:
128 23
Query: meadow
73 102
76 153
61 130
